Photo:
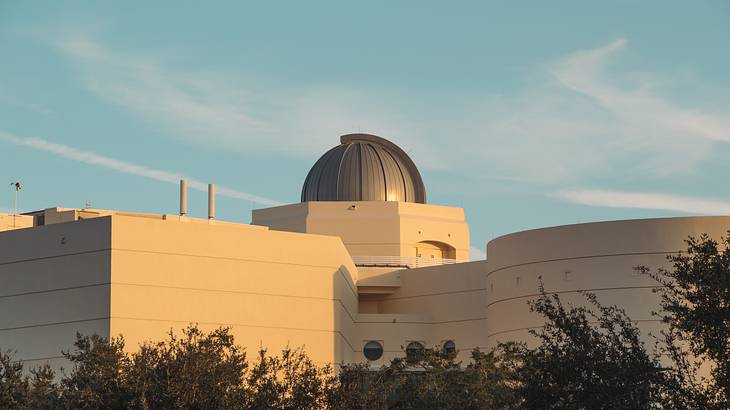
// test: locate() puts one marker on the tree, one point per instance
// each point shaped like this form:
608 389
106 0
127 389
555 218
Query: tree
13 386
198 370
585 359
291 381
432 379
98 378
695 301
43 392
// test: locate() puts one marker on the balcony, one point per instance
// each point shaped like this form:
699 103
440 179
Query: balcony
407 262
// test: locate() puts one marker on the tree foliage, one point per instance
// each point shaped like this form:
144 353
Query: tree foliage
432 379
695 302
208 371
13 386
588 356
198 370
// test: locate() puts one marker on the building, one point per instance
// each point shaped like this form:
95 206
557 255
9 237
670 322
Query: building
360 270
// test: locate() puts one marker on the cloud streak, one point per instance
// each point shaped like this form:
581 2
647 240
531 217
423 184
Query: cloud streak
222 111
645 200
91 158
589 114
584 73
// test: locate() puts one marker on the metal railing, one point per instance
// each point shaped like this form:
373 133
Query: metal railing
401 261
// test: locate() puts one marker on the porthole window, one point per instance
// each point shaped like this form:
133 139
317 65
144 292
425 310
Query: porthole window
414 350
373 350
449 347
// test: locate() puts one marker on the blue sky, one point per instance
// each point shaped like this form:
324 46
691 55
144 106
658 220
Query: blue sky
527 114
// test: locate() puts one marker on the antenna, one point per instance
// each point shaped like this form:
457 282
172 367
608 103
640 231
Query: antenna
17 186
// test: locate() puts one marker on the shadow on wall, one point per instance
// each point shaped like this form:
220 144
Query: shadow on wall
435 250
345 302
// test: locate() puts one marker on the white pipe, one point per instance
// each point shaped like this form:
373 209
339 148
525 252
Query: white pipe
183 197
211 201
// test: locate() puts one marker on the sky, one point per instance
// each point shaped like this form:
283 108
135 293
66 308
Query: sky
527 114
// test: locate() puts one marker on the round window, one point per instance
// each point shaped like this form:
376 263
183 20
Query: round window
414 350
449 347
372 350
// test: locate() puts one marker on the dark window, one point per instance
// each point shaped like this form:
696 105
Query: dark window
373 350
449 347
414 350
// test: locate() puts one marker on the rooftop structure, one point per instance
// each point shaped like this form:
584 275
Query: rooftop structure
364 167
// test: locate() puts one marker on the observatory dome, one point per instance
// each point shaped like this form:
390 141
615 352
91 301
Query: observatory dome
364 167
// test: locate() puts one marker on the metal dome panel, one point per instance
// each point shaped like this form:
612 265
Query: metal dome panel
364 167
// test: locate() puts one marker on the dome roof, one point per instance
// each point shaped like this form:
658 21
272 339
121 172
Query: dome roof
364 167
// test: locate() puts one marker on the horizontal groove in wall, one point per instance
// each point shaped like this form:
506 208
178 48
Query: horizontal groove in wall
192 255
559 292
54 256
435 294
334 268
35 292
54 323
579 258
182 288
240 325
243 293
422 323
538 327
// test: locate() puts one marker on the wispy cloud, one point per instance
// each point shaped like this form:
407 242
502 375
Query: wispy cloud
584 73
216 109
576 121
91 158
198 106
584 115
645 200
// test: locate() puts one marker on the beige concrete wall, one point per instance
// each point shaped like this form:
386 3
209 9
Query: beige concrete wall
425 223
272 288
141 275
10 221
597 257
54 281
433 304
374 228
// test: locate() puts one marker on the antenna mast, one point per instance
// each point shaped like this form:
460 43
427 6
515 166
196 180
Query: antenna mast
17 187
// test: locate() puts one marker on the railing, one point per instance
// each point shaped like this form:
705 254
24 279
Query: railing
401 261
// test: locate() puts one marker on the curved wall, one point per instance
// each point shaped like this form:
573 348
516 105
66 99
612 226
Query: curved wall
597 257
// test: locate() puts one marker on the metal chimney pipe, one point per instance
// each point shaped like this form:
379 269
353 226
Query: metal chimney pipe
183 197
211 201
